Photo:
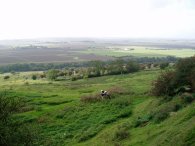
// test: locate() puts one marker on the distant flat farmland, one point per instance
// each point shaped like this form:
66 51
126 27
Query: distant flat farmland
141 51
45 56
77 50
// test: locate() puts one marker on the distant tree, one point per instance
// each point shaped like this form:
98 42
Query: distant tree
185 69
34 77
120 65
132 66
164 85
52 74
116 67
164 65
98 67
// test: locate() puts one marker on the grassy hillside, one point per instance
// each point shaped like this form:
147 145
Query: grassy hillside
62 119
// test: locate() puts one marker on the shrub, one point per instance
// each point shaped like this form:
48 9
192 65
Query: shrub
8 106
52 74
132 67
164 85
160 116
116 90
91 98
187 97
34 77
12 132
6 77
185 69
73 79
112 92
164 65
25 134
191 79
43 76
173 82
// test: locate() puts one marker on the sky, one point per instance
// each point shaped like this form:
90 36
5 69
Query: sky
23 19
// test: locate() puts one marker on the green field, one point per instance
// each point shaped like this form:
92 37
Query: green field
139 51
63 119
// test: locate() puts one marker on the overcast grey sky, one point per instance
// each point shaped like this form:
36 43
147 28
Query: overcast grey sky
97 18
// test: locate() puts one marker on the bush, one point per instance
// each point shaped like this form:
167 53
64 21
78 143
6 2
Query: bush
6 77
132 67
34 77
173 82
164 65
187 97
185 69
12 132
116 90
91 98
43 76
160 116
52 74
74 78
112 92
164 85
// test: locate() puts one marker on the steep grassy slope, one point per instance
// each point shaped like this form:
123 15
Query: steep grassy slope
62 119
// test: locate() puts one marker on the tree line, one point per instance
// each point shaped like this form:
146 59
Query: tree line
47 66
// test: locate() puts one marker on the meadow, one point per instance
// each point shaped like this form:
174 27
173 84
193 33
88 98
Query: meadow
141 51
63 119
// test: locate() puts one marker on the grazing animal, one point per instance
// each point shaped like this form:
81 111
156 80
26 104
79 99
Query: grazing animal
104 94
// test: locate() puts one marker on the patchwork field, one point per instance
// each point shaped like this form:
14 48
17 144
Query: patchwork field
77 50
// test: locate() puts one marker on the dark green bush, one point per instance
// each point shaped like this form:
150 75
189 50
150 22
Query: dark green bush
160 116
6 77
164 65
132 66
52 74
185 71
34 77
187 97
164 85
173 82
13 133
